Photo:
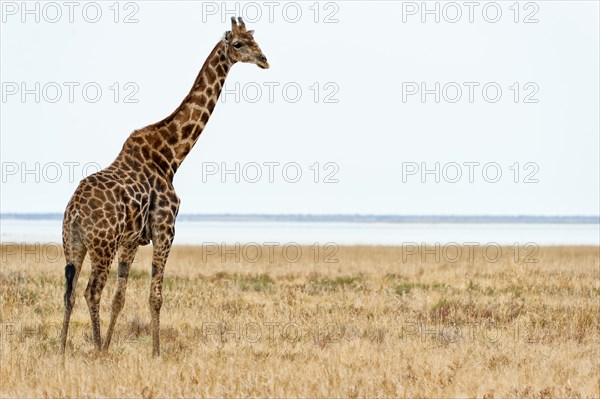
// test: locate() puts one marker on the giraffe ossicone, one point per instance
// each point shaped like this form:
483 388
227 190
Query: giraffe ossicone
132 202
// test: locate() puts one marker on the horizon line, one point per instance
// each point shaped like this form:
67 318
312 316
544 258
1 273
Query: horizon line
353 218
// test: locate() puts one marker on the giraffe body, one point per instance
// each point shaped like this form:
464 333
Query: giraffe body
132 202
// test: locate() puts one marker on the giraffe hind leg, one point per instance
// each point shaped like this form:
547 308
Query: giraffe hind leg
72 270
125 259
93 292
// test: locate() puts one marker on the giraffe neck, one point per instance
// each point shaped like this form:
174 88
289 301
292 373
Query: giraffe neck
165 144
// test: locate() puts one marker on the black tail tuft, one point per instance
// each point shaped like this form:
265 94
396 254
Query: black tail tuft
69 276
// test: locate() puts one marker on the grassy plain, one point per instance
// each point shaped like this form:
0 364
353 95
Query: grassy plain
354 322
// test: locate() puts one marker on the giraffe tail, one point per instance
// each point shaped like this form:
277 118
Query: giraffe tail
69 277
69 236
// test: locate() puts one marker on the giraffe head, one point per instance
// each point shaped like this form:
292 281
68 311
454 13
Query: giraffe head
241 45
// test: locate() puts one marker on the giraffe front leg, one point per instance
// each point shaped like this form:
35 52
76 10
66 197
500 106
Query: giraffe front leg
162 246
125 259
155 302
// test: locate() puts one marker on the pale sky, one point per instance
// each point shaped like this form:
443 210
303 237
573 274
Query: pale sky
360 119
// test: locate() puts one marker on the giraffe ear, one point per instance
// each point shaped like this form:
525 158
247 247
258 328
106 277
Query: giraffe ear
251 32
228 35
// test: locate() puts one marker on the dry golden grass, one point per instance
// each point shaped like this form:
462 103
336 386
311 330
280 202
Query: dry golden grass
372 325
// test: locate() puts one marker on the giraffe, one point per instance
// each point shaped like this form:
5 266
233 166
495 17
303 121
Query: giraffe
132 202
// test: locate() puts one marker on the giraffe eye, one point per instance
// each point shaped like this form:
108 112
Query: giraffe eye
238 45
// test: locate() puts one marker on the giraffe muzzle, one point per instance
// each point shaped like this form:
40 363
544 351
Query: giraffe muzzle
262 61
